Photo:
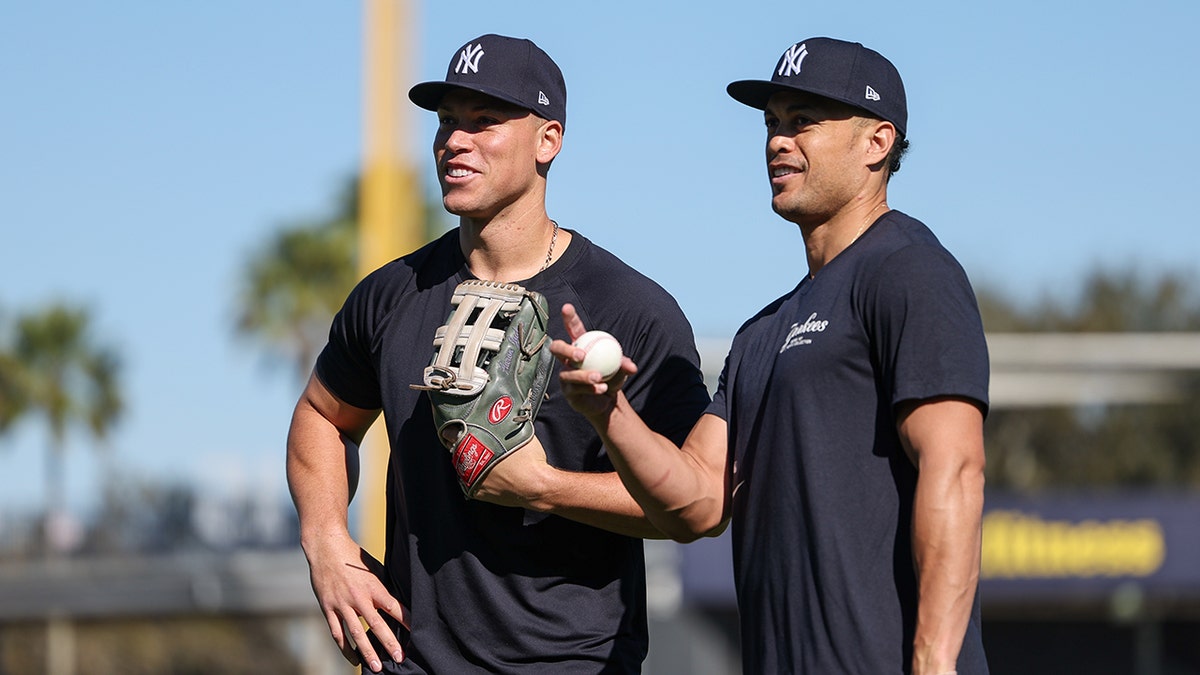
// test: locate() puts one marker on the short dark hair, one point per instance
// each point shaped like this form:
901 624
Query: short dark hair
896 154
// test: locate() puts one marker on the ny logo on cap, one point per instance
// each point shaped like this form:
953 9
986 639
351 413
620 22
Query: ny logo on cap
468 59
790 63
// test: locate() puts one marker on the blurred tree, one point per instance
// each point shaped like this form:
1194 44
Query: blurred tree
62 374
12 396
13 402
1099 446
1127 301
1000 315
297 281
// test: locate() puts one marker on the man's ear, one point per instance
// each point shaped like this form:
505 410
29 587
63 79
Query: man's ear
550 137
880 137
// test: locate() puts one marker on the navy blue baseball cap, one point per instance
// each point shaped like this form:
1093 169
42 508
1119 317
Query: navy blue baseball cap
843 71
511 69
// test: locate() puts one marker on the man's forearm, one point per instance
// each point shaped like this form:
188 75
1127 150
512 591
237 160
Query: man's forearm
322 459
680 492
597 499
525 479
947 537
316 481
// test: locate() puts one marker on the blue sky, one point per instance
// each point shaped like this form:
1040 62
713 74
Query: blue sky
148 148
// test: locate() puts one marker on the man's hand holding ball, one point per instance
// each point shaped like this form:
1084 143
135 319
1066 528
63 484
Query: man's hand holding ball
596 366
602 353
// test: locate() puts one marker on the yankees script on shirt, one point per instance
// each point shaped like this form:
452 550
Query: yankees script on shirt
795 336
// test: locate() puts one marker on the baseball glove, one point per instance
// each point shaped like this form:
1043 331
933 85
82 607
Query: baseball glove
491 365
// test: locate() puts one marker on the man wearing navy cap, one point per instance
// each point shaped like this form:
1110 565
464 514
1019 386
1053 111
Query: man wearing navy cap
543 571
845 440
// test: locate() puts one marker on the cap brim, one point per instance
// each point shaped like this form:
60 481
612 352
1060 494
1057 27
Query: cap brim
428 95
756 93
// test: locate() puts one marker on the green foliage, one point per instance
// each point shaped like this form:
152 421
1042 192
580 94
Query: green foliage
297 280
51 367
1112 301
1101 446
294 285
13 402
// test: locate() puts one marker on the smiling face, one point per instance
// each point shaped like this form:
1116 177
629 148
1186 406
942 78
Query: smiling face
818 155
491 155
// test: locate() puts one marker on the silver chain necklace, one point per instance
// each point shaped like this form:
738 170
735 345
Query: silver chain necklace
550 252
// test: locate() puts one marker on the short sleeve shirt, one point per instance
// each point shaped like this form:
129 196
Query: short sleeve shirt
823 494
493 588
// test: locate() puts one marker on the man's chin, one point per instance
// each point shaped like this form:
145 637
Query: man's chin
793 213
782 209
457 208
463 211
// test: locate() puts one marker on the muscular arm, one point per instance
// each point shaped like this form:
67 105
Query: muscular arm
944 439
321 486
526 480
681 492
688 507
600 499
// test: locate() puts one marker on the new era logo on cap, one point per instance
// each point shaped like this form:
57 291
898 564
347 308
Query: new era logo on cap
510 69
843 71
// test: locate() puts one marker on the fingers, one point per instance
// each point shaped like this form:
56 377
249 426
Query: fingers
578 381
573 323
575 380
362 639
397 611
627 370
338 630
382 600
356 645
578 384
381 637
352 595
567 353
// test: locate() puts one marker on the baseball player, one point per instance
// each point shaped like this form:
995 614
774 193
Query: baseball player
845 440
541 570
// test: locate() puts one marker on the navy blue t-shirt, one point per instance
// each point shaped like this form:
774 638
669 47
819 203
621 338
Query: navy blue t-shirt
822 505
492 588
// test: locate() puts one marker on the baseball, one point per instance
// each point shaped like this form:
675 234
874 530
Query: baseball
603 352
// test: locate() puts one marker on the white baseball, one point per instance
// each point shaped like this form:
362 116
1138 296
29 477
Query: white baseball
603 352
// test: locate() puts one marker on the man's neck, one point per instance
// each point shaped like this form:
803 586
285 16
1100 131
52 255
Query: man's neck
826 239
511 249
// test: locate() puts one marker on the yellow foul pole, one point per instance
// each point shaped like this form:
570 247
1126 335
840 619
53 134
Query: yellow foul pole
390 222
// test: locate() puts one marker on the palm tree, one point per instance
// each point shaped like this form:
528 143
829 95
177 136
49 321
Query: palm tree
12 395
297 281
69 380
